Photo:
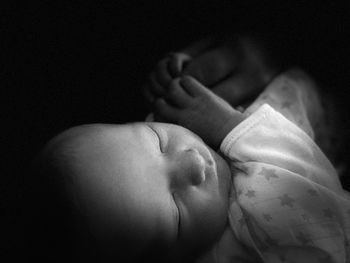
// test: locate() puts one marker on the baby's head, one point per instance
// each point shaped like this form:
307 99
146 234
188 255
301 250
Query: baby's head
144 188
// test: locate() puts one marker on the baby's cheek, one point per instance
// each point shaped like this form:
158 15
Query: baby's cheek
212 220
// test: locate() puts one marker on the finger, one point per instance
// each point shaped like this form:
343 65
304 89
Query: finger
177 63
162 74
213 66
155 88
238 89
176 95
166 111
193 86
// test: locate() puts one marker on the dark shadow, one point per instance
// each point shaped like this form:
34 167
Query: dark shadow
68 63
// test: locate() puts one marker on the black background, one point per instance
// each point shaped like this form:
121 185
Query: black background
65 63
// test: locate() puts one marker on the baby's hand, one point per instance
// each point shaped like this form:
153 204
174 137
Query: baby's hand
237 70
188 103
166 70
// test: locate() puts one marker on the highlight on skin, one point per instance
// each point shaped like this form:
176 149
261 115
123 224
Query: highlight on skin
143 184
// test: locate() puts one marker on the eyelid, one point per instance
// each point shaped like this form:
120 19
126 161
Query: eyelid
178 217
159 139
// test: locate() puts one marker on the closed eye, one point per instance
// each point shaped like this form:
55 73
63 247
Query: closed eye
158 137
178 217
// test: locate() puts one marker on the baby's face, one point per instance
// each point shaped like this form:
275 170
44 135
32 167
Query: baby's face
160 183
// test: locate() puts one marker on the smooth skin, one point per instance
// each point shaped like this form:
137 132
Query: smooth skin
236 69
152 186
190 104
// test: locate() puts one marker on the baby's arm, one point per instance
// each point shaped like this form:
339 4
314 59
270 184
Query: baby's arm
288 195
190 104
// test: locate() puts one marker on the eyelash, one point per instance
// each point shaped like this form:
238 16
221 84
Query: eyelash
160 141
178 217
160 144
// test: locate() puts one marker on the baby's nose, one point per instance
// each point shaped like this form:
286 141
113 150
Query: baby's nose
191 167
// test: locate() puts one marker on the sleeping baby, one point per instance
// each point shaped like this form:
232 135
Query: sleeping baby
218 185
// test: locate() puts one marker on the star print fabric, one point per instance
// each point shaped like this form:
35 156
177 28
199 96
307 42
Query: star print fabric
296 96
287 202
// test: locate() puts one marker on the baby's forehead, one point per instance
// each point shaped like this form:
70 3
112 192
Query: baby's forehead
127 140
110 133
135 127
101 140
134 131
141 131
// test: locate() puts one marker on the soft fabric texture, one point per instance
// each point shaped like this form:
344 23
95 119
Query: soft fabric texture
287 201
296 96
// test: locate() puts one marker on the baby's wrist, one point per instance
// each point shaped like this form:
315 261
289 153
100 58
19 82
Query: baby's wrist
228 124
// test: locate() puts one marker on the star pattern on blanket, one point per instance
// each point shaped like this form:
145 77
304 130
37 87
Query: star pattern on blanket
278 204
286 200
268 173
312 192
328 213
250 194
